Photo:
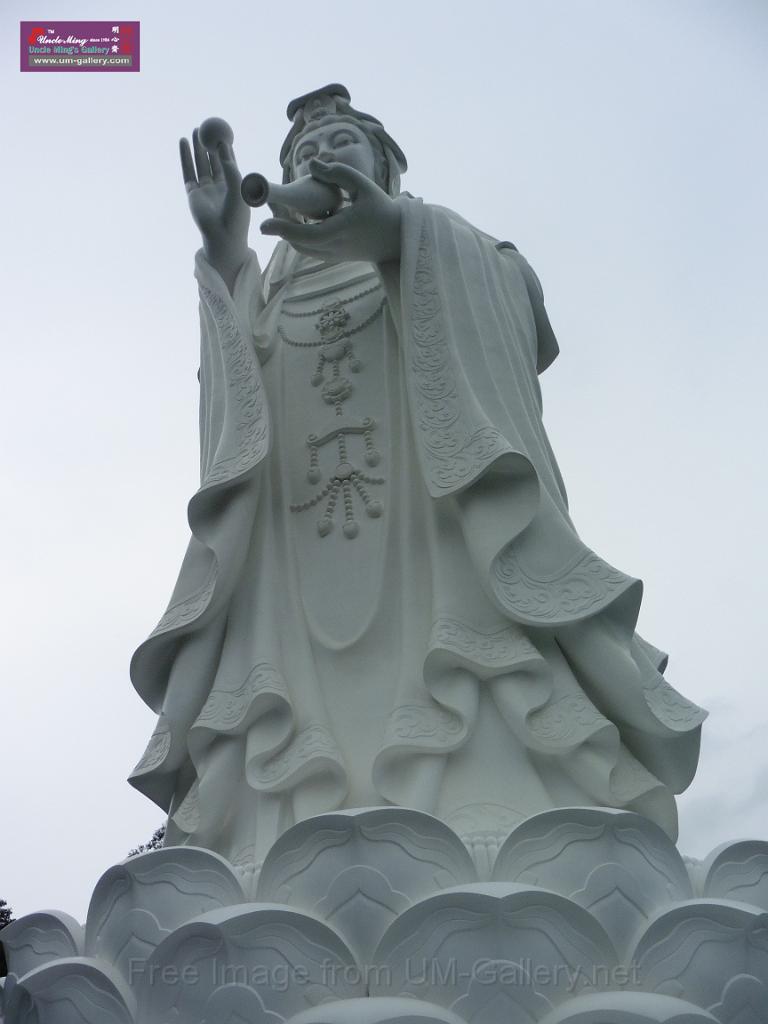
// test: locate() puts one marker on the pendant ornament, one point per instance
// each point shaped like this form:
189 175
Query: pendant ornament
348 483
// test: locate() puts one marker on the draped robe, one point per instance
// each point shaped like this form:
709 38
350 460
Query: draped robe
463 652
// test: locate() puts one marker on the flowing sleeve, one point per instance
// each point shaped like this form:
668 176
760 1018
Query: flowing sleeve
547 348
475 335
234 441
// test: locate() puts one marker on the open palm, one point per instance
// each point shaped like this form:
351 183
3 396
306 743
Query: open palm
212 180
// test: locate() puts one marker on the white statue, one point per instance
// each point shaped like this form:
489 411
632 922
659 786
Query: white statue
384 600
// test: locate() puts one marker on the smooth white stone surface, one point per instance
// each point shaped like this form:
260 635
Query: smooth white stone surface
384 599
382 901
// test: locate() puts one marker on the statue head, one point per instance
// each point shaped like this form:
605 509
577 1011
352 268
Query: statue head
325 125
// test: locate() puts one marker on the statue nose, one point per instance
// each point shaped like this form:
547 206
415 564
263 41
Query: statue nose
326 155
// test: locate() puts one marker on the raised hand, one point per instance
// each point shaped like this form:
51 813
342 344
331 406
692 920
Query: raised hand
212 181
367 229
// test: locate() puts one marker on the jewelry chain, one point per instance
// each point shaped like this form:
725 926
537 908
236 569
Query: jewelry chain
339 337
343 302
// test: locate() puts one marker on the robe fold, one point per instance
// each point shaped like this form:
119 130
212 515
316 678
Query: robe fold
490 656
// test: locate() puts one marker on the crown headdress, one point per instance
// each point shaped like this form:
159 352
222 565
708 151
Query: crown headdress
326 102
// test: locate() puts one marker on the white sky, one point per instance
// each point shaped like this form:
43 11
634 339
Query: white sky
620 144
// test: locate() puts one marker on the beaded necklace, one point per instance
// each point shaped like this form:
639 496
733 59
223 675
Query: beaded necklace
348 481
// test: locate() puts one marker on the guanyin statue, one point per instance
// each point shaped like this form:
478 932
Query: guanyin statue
384 600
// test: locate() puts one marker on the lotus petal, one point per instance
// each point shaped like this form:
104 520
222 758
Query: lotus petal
359 870
694 950
136 904
628 1008
745 1001
616 864
289 961
493 951
74 990
380 1010
231 1004
738 871
38 938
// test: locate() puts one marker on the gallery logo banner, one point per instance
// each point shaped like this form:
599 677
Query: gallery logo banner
79 45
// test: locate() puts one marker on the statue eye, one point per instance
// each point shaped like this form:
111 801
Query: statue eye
343 140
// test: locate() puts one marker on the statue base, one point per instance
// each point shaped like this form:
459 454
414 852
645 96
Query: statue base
380 916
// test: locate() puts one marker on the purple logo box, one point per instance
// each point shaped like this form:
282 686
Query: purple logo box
79 45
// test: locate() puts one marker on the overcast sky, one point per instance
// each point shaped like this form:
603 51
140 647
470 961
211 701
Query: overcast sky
621 145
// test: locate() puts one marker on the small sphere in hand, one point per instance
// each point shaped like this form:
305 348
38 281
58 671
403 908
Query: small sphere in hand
214 130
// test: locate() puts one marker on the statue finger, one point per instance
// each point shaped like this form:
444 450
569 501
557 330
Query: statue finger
187 165
216 168
231 171
346 177
287 229
201 158
302 237
227 153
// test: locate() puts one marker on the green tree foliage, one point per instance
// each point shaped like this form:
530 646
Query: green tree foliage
155 843
6 916
6 913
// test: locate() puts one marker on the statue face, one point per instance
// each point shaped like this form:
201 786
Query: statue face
339 141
